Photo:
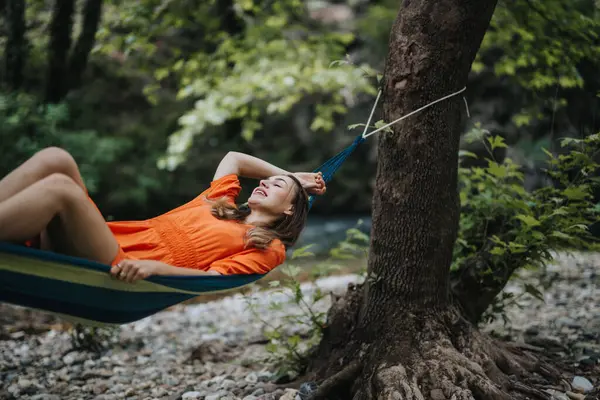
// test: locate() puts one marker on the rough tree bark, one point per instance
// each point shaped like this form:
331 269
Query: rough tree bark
92 12
399 336
16 46
61 28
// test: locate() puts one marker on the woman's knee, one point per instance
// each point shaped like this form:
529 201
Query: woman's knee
63 189
54 160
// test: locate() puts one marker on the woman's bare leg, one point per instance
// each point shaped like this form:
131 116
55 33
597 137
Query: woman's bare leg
58 205
46 162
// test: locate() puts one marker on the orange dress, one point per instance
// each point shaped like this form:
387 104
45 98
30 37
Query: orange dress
190 236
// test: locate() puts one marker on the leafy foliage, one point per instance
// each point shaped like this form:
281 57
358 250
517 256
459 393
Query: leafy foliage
542 46
26 126
508 228
538 41
291 341
274 59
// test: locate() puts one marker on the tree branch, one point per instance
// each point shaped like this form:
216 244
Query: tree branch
342 378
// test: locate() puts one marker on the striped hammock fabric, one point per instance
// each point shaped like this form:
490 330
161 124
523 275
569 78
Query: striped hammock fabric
84 292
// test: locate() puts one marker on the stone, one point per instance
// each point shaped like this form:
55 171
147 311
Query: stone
251 377
437 394
556 395
45 396
191 395
228 384
306 390
581 384
289 394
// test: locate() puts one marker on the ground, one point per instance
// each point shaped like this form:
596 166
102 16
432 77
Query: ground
217 349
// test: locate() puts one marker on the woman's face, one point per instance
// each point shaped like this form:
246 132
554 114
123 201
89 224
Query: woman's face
274 195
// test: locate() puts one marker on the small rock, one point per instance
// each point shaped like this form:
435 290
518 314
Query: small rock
556 395
228 384
250 397
213 396
267 387
264 376
258 392
575 396
251 377
581 384
289 394
100 388
45 396
568 322
97 373
191 395
70 358
437 394
306 390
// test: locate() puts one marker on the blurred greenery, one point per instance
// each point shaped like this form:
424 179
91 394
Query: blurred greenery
169 86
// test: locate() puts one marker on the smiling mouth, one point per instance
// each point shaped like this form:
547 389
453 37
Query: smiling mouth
261 192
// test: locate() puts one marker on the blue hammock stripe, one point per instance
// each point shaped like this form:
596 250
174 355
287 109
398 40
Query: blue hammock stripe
83 291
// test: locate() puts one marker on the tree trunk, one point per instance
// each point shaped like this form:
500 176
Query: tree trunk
16 46
92 12
61 28
399 334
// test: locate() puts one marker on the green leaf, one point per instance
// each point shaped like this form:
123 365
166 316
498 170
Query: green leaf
576 193
528 220
496 170
302 252
465 153
496 142
561 235
498 251
532 290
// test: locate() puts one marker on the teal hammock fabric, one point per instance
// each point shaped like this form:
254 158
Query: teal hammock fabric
84 292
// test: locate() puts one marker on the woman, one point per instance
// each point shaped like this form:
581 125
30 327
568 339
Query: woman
45 198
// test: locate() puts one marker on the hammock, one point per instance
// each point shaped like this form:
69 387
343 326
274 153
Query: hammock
83 291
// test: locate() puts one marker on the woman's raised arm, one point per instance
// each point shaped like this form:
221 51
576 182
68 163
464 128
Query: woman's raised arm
252 167
247 166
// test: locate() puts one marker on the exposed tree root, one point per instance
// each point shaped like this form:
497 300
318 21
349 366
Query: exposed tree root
438 357
341 379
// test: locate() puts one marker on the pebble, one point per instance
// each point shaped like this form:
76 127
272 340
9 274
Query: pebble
581 384
152 358
556 395
191 395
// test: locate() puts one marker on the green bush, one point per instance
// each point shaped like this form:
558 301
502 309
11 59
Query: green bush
504 228
27 126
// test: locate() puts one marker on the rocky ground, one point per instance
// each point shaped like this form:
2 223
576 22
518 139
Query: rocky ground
217 350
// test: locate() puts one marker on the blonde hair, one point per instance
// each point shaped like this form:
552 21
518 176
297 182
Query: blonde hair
287 228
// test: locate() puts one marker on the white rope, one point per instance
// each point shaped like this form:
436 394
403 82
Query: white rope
366 135
372 112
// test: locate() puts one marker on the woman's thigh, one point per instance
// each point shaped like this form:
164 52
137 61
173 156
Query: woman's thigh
81 230
76 227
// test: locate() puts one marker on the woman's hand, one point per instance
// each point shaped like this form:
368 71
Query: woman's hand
133 270
312 182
